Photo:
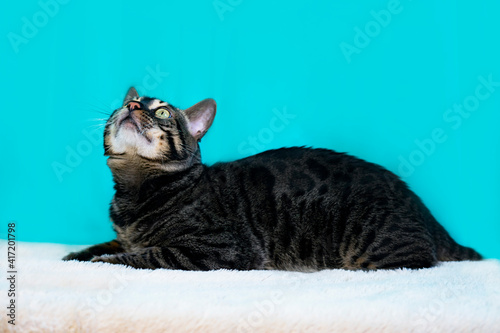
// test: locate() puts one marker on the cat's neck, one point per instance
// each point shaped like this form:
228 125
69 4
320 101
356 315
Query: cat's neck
134 181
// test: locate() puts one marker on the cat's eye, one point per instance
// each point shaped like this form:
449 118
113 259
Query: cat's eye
162 113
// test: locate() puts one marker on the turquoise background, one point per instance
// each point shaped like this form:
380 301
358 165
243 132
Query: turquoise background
283 74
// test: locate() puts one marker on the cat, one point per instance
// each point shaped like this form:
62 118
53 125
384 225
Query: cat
296 208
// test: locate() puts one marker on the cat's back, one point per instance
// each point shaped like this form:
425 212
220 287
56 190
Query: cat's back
301 175
319 161
305 168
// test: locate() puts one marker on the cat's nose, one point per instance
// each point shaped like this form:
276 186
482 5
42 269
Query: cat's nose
134 106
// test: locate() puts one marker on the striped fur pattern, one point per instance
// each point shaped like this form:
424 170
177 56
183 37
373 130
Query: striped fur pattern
287 209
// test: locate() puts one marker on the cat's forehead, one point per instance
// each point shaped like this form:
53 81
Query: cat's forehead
151 103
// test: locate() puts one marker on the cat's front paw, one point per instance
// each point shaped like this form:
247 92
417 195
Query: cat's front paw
80 256
110 259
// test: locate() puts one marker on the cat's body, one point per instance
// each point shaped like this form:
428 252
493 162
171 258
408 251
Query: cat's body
290 209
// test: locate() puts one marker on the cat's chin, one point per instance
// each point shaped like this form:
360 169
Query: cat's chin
131 141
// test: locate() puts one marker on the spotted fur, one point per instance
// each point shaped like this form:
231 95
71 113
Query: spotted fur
287 209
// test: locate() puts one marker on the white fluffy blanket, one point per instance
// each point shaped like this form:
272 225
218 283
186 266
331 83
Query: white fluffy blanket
57 296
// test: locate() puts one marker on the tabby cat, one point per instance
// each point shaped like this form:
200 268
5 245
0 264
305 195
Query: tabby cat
286 209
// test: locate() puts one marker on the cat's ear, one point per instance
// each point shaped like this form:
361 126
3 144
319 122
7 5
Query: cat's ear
131 94
200 117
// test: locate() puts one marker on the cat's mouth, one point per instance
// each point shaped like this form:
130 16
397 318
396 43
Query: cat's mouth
131 128
133 120
129 122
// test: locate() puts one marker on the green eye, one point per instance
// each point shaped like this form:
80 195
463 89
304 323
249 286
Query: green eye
162 114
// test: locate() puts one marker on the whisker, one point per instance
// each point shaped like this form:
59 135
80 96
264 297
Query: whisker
99 107
102 112
97 119
96 126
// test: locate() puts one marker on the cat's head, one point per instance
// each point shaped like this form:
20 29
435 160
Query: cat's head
153 134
